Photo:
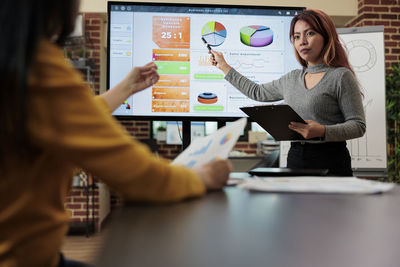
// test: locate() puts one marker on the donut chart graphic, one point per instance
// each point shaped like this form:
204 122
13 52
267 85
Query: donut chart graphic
256 35
207 98
214 33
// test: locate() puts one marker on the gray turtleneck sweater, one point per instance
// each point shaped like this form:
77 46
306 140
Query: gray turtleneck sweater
335 101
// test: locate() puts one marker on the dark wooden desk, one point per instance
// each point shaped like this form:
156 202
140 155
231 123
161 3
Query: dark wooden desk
238 228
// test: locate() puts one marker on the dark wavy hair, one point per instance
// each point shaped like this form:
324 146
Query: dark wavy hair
22 24
333 52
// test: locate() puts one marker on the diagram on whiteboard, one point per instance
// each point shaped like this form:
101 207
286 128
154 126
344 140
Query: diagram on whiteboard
366 55
362 55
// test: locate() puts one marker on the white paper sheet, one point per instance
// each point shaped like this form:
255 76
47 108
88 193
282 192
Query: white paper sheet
212 147
330 185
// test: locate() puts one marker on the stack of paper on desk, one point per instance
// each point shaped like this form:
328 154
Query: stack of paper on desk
212 147
332 185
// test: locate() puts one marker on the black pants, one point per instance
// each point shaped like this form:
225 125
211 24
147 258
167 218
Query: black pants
333 156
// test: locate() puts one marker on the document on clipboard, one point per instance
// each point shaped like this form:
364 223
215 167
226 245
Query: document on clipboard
275 119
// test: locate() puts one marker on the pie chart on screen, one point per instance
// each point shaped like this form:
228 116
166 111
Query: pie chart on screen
214 33
256 35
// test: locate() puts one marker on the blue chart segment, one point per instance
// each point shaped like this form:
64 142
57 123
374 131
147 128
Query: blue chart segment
191 163
214 33
202 150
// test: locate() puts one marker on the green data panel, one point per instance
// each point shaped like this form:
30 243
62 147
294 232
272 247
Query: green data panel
209 76
208 108
173 67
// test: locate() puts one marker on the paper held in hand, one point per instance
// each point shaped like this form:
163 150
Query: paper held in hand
212 147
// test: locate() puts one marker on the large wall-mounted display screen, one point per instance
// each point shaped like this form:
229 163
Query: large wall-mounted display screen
254 40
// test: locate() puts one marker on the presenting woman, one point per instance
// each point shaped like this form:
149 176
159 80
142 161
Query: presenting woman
324 92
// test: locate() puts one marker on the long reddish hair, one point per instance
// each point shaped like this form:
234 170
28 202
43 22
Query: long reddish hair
333 52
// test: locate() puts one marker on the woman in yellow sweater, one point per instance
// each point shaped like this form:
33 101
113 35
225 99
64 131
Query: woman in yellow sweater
51 124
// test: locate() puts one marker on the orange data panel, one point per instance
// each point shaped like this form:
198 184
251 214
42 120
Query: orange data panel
170 106
171 55
173 80
171 32
170 92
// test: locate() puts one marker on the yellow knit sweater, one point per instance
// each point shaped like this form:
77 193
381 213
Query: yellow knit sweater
72 128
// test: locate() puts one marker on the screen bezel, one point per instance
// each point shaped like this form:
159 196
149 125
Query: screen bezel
178 118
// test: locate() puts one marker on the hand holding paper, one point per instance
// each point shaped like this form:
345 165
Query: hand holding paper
212 147
214 174
207 156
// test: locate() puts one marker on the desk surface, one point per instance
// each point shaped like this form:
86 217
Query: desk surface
234 227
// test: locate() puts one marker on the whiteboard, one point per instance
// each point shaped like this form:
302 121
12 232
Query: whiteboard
366 52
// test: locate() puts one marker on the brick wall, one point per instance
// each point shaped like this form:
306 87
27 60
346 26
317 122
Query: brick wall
171 151
141 130
93 35
246 147
137 129
76 205
386 13
76 202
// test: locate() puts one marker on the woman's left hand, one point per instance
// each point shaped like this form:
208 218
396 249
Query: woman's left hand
309 130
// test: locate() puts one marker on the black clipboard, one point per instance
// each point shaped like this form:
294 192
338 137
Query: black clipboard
275 119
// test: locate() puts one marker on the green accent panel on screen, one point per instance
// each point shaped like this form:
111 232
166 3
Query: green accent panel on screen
208 108
173 67
209 76
246 33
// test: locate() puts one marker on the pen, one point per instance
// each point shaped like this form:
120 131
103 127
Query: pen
208 46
